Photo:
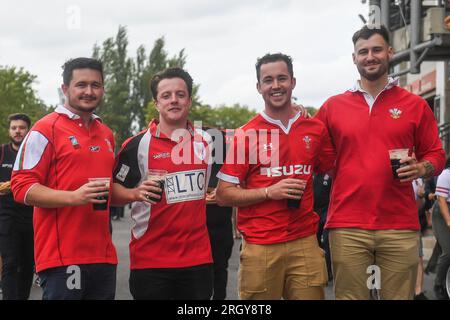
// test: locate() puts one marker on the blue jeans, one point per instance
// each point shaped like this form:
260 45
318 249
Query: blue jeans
79 282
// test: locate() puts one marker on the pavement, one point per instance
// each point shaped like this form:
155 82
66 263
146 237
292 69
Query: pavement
121 237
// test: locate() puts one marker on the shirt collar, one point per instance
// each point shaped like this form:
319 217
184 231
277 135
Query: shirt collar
392 82
61 109
156 132
279 123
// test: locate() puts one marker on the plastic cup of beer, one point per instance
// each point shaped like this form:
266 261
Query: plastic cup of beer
395 156
159 176
101 206
294 203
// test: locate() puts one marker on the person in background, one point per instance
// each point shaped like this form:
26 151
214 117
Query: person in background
322 189
218 220
419 193
16 219
441 229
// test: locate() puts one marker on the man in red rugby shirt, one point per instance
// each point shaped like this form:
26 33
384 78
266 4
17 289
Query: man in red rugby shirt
270 180
74 253
170 252
372 216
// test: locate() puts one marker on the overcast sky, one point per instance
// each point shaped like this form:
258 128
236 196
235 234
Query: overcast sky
222 40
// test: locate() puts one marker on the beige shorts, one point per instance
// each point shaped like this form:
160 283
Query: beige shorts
294 270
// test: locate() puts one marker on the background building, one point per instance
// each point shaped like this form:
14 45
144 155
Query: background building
420 36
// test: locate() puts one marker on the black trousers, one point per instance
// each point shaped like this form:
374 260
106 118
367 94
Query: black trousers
17 251
191 283
220 231
324 243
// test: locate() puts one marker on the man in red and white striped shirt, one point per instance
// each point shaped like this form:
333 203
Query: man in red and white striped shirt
170 252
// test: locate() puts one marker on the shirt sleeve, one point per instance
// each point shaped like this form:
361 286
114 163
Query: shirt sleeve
443 184
322 114
126 168
327 154
236 165
428 144
32 164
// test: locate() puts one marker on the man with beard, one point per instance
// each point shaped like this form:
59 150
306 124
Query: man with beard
75 256
372 217
16 220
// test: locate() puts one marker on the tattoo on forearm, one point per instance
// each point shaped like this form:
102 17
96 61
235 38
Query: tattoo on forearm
429 169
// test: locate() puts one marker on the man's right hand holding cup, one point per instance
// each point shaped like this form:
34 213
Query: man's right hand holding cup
287 189
149 191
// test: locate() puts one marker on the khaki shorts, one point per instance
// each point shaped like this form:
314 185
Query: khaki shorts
392 256
294 270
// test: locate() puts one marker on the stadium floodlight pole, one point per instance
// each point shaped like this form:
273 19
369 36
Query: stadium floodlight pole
415 35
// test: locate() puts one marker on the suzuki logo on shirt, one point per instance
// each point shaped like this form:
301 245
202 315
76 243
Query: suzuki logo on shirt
94 148
286 170
7 165
185 186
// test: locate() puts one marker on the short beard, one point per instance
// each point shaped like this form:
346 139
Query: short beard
17 144
373 76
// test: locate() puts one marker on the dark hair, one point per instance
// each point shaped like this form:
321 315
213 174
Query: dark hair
447 162
80 63
369 30
170 73
274 57
19 116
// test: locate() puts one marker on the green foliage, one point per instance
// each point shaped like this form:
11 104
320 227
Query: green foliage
18 96
311 110
223 117
128 104
127 82
228 117
117 109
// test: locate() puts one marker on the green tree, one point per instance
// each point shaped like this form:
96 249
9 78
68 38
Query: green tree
231 117
17 95
127 82
116 109
222 117
158 60
311 110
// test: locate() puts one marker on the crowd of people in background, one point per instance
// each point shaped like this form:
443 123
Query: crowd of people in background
315 199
